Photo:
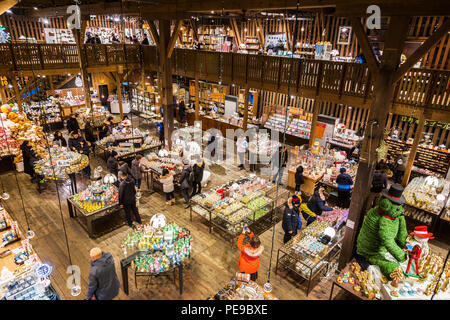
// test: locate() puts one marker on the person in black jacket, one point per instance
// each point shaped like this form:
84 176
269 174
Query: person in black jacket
29 157
127 198
344 182
198 169
182 111
59 139
103 281
291 218
145 41
89 133
75 142
85 149
299 178
379 182
278 163
112 164
185 183
316 205
72 124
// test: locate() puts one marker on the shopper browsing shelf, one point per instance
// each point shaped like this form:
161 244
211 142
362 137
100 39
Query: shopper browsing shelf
316 206
168 187
250 253
113 164
279 162
75 142
137 168
299 178
379 182
291 218
103 281
29 158
241 146
59 139
182 111
72 124
198 169
127 199
344 182
186 181
123 167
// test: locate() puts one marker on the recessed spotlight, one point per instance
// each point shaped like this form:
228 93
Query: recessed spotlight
9 11
212 11
35 8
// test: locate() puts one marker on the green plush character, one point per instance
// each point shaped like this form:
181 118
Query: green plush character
383 231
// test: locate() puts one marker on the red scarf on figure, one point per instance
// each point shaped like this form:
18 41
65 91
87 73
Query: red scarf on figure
384 215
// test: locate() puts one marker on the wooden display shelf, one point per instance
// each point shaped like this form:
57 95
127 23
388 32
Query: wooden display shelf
308 187
434 160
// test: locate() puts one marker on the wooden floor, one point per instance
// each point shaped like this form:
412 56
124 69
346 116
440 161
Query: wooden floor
213 262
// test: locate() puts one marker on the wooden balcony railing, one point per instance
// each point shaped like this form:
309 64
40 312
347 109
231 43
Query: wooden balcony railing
309 78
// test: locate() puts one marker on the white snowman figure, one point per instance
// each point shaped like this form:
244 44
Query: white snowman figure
421 237
158 221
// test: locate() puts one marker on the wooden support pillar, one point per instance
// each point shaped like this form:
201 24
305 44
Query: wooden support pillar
165 84
2 93
374 133
316 108
119 94
16 92
197 100
413 152
246 94
50 82
79 39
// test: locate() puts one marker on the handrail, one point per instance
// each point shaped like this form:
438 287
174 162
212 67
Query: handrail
418 87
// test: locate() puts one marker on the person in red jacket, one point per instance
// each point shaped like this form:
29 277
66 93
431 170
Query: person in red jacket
249 259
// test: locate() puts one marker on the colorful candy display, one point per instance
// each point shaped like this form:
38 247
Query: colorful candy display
161 247
97 196
427 193
62 163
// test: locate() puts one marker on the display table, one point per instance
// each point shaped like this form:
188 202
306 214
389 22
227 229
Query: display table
232 212
346 286
160 247
106 219
126 263
310 183
305 255
23 282
127 155
239 290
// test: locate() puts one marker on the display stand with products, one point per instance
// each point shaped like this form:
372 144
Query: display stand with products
433 159
308 253
209 94
243 289
230 207
97 208
426 198
47 113
159 248
298 122
62 166
360 284
23 275
156 163
127 142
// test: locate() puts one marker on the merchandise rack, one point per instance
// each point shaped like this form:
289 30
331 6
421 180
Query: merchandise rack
112 216
314 267
232 229
431 159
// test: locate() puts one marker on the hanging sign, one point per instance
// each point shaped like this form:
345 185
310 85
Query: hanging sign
438 124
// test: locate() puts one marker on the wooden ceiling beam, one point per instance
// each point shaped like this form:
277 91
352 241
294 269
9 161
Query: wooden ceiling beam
153 31
422 50
173 38
363 42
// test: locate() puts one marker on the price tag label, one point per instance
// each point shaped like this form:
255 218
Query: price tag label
350 224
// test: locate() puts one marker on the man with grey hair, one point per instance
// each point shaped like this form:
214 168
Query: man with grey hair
103 281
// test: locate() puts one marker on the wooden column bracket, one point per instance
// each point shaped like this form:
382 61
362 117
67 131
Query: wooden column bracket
153 32
173 38
363 42
422 50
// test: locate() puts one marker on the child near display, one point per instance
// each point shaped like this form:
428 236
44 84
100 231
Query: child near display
168 186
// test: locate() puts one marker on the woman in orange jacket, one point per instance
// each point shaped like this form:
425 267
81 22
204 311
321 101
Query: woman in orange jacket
249 259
